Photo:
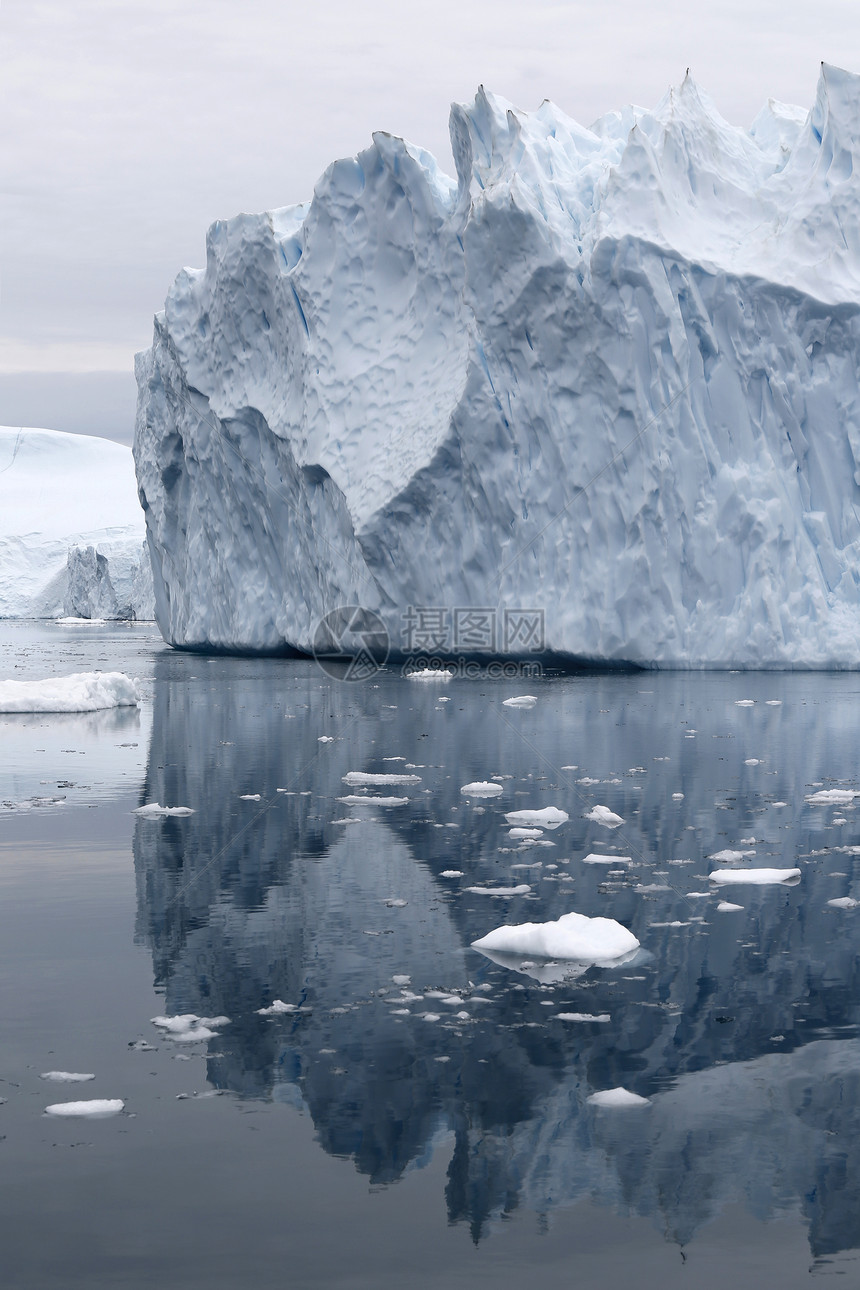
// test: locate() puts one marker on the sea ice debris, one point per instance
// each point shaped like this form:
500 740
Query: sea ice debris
753 877
482 788
77 692
548 818
603 815
96 1109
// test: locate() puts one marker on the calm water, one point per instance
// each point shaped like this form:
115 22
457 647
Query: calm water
356 1142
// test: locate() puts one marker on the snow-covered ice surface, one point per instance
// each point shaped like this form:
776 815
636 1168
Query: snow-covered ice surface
619 360
79 692
71 528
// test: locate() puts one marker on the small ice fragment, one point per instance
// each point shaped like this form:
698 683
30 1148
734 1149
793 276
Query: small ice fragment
755 877
548 818
361 779
603 815
831 797
617 1097
276 1008
250 797
402 979
431 1016
773 703
744 703
355 800
325 739
97 1109
451 873
188 1028
522 890
531 834
730 857
844 902
520 701
582 1016
481 788
677 797
394 902
431 674
66 1077
752 761
726 907
152 810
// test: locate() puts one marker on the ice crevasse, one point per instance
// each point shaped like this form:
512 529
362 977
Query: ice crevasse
609 374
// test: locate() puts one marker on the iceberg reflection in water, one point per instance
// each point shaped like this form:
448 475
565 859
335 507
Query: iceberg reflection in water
739 1027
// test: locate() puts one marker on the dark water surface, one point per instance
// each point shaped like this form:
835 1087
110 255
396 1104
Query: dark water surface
355 1141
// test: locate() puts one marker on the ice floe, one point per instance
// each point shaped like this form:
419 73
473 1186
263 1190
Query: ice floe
520 701
521 890
363 779
96 1109
154 810
617 1097
572 937
482 788
78 692
548 818
66 1077
831 797
754 877
602 815
355 800
188 1028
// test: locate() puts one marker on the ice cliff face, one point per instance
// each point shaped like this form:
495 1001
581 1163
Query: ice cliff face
71 529
610 374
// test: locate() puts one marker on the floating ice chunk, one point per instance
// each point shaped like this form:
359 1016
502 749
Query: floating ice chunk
730 857
97 1109
617 1097
362 779
431 674
520 701
593 858
844 902
757 877
677 797
325 739
402 979
831 797
582 1016
188 1028
726 907
153 810
481 788
355 800
773 703
431 1016
394 902
66 1077
525 834
250 797
522 890
78 692
753 761
277 1008
651 886
548 818
572 937
603 815
744 703
451 873
71 621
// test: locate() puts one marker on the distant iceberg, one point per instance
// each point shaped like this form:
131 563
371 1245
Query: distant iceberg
605 384
72 534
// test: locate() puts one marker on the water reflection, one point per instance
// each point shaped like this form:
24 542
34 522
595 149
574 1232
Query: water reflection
740 1027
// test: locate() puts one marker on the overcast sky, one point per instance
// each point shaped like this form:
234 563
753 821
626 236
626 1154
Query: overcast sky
127 128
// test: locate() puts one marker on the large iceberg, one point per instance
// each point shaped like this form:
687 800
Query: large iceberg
72 535
609 377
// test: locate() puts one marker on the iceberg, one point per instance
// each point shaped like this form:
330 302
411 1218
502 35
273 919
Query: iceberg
603 382
572 937
72 534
